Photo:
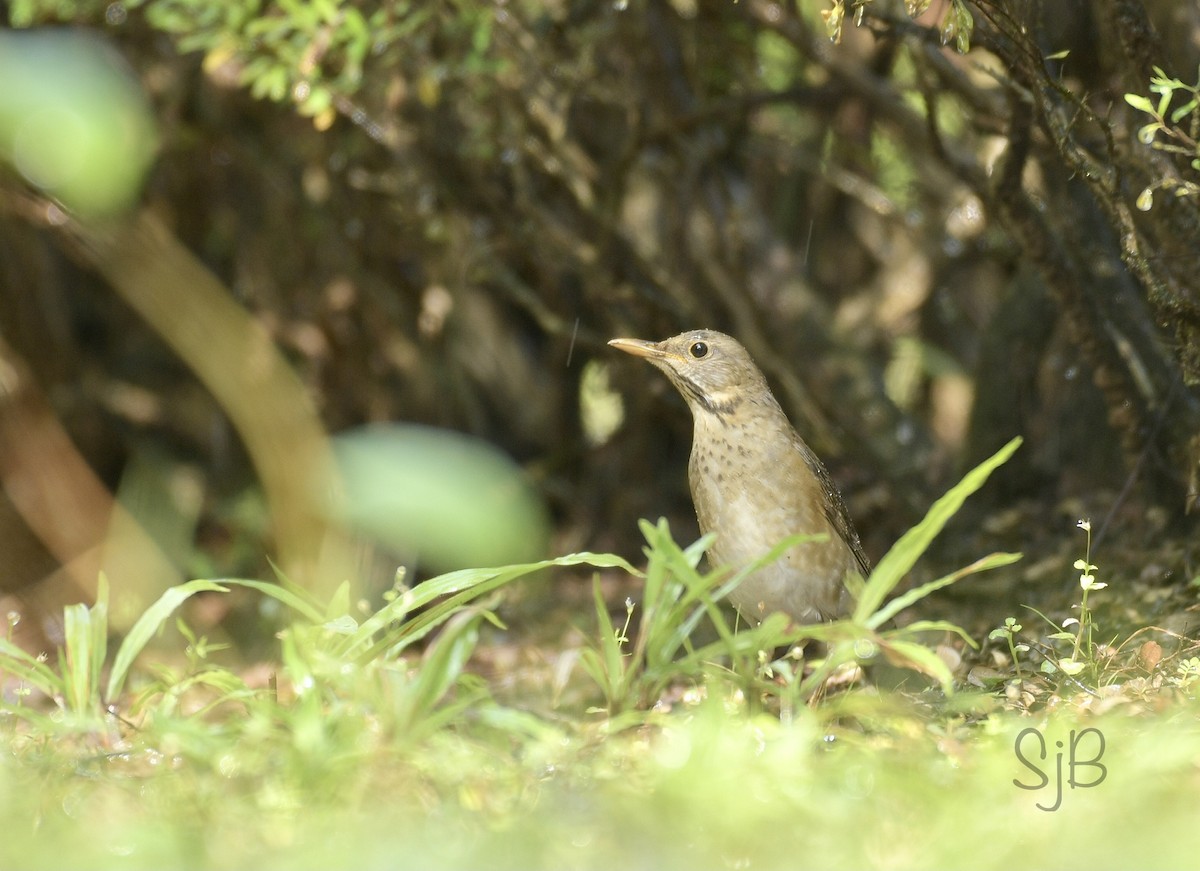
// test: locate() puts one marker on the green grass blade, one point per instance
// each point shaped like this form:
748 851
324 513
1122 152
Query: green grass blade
590 662
898 604
148 625
466 579
393 612
764 636
78 660
443 663
606 665
658 543
85 639
694 551
909 654
611 647
919 626
710 589
904 554
283 594
97 640
339 603
30 669
298 591
447 594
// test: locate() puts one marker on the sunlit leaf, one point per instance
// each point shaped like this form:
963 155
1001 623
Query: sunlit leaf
148 625
904 554
1140 103
443 498
73 121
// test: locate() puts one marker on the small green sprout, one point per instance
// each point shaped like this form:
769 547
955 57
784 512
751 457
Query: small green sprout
1174 130
1087 582
1009 633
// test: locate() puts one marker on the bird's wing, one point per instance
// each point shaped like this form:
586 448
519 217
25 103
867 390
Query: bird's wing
835 508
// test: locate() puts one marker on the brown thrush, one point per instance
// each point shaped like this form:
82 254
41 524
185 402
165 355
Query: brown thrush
755 482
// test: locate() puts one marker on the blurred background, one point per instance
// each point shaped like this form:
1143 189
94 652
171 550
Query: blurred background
229 228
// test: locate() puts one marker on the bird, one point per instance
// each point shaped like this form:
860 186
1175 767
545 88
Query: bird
754 482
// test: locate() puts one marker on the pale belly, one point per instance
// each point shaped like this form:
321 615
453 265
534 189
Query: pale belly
806 582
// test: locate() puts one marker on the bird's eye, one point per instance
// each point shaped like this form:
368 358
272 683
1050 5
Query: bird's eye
699 350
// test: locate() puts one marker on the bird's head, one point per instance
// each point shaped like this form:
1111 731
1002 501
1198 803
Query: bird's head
711 370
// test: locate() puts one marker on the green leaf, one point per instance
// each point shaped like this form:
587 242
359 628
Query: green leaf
339 602
344 625
318 100
85 638
302 605
610 646
1183 111
1142 104
958 25
922 659
918 626
447 594
466 579
895 606
148 625
1164 102
904 554
698 548
443 663
30 669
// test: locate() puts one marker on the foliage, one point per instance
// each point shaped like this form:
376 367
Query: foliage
325 654
360 749
324 642
323 638
1175 130
956 25
536 171
73 121
1067 660
533 178
74 680
312 54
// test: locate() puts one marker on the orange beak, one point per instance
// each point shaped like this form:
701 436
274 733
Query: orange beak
640 348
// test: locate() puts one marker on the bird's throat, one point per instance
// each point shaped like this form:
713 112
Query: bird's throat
721 403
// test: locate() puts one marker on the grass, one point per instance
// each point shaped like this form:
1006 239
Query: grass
376 741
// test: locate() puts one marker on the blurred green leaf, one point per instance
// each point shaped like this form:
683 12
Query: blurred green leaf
438 497
73 121
1140 103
